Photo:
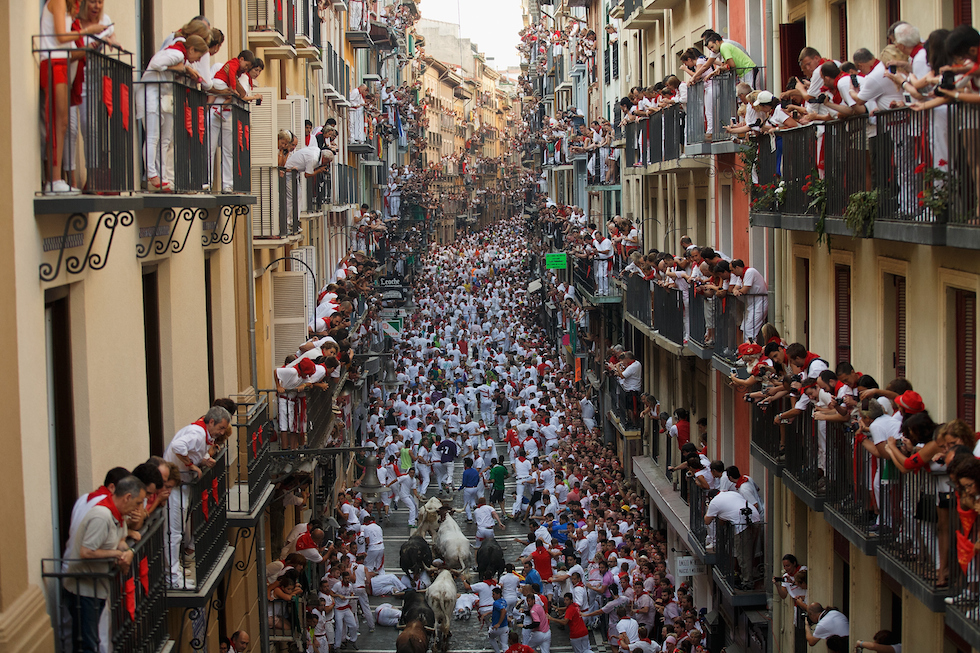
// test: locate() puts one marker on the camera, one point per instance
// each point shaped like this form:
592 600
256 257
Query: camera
892 69
734 121
948 82
821 98
784 103
854 81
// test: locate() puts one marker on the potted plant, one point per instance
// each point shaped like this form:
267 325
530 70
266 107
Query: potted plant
859 216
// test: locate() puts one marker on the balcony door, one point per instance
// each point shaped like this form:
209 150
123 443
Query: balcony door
154 364
61 418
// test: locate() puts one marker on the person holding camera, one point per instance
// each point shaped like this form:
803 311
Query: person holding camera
823 623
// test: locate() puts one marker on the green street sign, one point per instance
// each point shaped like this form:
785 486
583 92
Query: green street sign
557 261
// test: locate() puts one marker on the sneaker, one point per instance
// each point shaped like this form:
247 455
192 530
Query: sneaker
60 187
963 597
188 585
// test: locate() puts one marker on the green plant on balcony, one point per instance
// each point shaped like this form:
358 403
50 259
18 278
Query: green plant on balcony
816 190
747 156
937 187
859 216
767 197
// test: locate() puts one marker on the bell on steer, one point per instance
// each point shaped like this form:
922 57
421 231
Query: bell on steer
370 487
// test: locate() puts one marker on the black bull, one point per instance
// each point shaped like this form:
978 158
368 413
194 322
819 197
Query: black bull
414 555
489 559
414 608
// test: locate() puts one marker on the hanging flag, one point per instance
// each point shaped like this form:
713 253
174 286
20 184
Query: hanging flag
107 94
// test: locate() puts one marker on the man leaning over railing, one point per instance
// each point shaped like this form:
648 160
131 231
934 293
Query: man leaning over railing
99 542
192 446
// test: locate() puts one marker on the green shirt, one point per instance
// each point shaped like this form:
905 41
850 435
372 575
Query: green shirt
743 62
497 474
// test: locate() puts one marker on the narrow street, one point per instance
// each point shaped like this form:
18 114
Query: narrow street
468 637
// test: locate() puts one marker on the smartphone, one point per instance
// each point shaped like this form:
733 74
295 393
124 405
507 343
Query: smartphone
907 97
892 69
854 81
734 121
258 101
948 82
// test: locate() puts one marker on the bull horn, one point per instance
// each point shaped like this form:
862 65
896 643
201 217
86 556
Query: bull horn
429 629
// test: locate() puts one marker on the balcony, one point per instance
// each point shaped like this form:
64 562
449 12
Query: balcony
637 301
203 506
266 23
805 470
584 278
249 489
701 315
914 178
702 536
135 600
766 436
727 338
624 408
359 27
656 143
275 217
705 123
852 498
740 562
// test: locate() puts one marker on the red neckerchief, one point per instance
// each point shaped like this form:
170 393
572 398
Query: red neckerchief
810 357
916 50
180 46
874 64
111 505
741 481
101 491
207 435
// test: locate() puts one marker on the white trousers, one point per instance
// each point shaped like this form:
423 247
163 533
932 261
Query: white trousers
177 513
159 135
470 495
362 599
581 645
498 638
423 478
346 626
409 502
375 559
540 641
219 133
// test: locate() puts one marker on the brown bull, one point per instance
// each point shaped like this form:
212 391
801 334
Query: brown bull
413 639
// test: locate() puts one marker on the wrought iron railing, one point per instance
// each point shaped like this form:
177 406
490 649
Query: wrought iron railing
673 131
695 124
583 275
852 489
135 604
805 455
637 299
174 114
249 474
630 157
697 503
96 148
668 313
765 432
701 316
266 16
846 160
799 165
726 328
740 557
201 506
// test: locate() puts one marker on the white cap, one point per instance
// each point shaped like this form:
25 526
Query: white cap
765 97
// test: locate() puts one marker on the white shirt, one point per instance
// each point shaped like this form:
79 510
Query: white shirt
190 441
374 536
832 623
728 506
879 88
483 516
632 380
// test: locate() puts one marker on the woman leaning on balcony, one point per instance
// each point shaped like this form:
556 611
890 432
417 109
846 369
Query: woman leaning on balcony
56 39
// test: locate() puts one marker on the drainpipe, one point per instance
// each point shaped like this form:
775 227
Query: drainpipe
260 573
250 267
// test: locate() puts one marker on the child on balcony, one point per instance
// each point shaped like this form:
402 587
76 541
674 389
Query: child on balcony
155 104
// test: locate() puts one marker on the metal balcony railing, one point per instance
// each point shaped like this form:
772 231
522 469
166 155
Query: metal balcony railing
625 405
701 315
846 160
697 503
673 130
134 600
695 125
805 455
174 113
276 214
725 105
799 162
630 155
637 299
668 313
740 557
266 16
766 434
582 273
201 505
726 328
851 474
96 150
249 475
318 192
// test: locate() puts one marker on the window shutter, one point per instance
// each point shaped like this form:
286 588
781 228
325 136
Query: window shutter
893 9
842 305
899 362
606 65
962 12
285 117
966 356
260 16
265 212
301 113
842 30
263 128
308 256
615 60
289 326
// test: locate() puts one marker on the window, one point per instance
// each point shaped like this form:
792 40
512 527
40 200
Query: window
615 60
842 313
962 12
898 358
966 354
803 290
61 415
154 366
842 31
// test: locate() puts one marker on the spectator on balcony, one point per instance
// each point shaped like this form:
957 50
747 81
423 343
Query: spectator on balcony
155 105
58 36
733 59
601 263
822 623
99 543
732 507
227 82
189 449
199 26
358 101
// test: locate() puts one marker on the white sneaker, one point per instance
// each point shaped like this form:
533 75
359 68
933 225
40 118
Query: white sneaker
60 187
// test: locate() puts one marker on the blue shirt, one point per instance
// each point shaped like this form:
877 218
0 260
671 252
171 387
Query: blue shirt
500 605
559 532
471 477
534 578
448 449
